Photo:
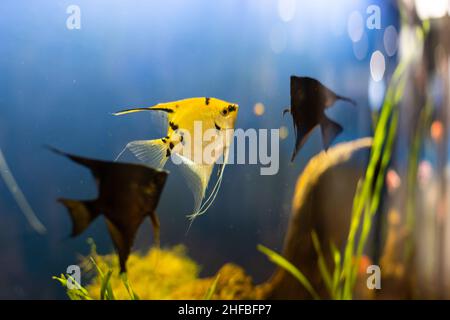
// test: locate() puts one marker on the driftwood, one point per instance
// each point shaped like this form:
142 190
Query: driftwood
322 202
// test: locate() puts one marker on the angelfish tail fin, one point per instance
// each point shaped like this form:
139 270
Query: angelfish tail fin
81 212
152 152
330 130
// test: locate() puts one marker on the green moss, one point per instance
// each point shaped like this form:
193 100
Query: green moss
159 274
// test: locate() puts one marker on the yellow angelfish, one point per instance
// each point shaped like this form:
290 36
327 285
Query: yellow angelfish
195 127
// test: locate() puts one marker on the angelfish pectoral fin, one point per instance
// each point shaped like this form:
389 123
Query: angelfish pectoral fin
330 130
152 152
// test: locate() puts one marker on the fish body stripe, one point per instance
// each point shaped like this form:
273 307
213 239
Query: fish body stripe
163 109
207 101
127 111
173 126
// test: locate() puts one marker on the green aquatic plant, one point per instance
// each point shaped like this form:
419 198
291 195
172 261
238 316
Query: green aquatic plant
332 281
369 191
106 292
77 292
289 267
212 289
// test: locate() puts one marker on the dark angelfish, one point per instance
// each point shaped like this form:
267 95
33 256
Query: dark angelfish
127 194
309 99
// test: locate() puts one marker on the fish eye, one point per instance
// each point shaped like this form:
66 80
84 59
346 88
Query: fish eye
224 112
232 108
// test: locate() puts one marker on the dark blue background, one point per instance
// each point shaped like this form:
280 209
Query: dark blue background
59 86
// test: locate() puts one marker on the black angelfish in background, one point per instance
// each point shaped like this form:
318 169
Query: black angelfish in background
127 194
309 99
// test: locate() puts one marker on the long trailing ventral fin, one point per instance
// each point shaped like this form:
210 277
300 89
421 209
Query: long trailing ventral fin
203 206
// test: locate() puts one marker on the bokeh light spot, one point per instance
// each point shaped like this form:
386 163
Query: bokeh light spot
427 9
425 172
377 66
361 47
393 180
390 40
376 93
437 131
286 9
355 26
284 132
258 109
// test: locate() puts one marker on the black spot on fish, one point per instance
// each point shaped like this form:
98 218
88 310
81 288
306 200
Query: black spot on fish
217 127
163 140
171 145
207 101
173 126
182 140
161 109
144 109
168 153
